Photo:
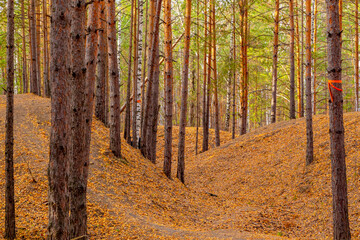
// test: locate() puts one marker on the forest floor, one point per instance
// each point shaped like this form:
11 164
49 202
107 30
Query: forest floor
253 187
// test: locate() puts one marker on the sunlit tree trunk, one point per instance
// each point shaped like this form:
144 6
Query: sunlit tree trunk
58 172
341 229
9 126
245 77
168 83
309 128
184 94
292 60
275 62
115 138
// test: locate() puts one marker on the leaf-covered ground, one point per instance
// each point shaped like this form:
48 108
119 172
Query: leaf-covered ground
253 187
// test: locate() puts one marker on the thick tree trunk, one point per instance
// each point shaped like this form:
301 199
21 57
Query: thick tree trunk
275 62
9 126
33 42
292 60
341 229
24 63
357 107
115 138
77 159
217 124
58 172
168 83
149 131
127 134
47 91
101 81
309 128
184 94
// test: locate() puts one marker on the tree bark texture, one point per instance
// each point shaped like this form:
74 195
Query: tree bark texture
341 229
217 124
309 128
24 58
33 41
184 94
292 61
168 83
101 82
47 91
115 138
127 134
275 62
9 126
77 159
58 171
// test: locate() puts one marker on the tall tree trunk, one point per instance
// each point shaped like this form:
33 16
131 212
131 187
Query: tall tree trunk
275 62
197 76
127 135
138 70
34 74
341 229
217 124
168 89
244 91
184 94
314 56
24 64
38 48
149 131
357 107
302 61
292 60
58 172
309 128
143 74
101 81
45 54
234 69
77 159
205 116
9 125
115 138
298 61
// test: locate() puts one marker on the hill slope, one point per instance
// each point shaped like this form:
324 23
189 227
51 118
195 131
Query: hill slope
128 198
262 178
